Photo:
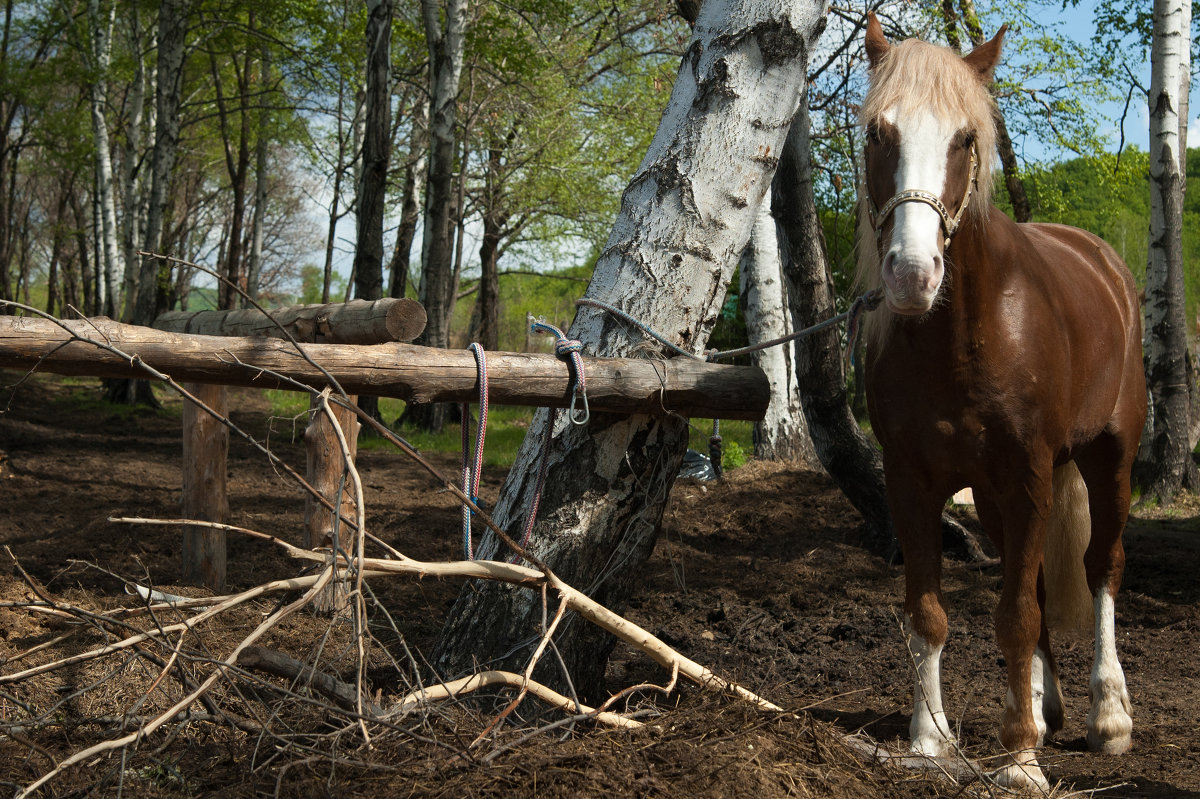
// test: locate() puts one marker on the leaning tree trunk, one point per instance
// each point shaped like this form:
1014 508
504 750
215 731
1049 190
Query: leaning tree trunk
684 220
1162 474
783 433
853 463
414 183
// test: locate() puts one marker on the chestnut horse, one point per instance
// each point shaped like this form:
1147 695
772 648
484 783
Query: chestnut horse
1007 358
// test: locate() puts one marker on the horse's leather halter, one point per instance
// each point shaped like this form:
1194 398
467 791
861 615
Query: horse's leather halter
950 223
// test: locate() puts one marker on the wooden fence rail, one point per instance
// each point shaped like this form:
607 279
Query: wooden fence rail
405 371
614 385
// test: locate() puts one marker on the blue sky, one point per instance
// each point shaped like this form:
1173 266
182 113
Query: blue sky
1078 23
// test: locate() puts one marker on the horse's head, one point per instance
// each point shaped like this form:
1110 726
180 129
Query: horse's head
929 133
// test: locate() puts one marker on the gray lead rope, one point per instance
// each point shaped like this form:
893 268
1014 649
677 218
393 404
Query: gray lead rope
867 302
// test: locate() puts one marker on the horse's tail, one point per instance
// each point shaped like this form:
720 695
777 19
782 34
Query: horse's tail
1068 600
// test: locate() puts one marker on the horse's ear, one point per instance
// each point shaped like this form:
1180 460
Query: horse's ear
877 44
983 59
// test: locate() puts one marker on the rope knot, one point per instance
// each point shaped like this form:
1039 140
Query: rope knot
567 346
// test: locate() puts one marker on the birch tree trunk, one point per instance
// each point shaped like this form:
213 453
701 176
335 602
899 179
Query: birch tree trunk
446 48
131 220
258 220
101 27
154 277
684 220
783 433
1168 464
410 201
1022 210
172 30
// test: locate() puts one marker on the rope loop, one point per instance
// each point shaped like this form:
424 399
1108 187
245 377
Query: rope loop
472 470
569 348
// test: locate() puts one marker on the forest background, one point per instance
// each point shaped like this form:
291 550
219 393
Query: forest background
556 102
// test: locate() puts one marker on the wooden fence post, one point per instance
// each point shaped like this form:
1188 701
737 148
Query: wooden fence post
205 450
327 474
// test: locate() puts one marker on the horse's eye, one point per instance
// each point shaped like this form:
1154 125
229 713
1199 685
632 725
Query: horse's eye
968 141
873 134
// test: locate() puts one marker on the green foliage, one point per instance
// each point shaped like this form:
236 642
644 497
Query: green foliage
733 456
1110 197
312 280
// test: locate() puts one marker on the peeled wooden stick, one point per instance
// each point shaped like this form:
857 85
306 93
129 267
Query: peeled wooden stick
485 679
582 604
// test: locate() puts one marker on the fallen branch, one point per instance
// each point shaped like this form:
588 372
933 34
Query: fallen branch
486 679
515 574
274 662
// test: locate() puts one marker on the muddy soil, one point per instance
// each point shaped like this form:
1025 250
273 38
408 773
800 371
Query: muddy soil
760 578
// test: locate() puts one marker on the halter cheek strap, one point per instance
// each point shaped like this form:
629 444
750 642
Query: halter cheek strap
949 223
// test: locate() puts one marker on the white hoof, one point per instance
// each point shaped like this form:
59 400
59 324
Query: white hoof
1022 776
1110 727
932 746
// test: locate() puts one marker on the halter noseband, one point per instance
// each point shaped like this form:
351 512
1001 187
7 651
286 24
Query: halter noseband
950 223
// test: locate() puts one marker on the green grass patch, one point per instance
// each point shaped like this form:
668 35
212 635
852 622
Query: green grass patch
506 429
86 395
737 441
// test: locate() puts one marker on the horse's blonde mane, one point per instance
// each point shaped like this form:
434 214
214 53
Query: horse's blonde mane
915 76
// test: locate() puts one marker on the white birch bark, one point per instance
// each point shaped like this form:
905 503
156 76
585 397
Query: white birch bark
254 266
684 220
446 48
1168 457
172 31
783 433
100 26
131 185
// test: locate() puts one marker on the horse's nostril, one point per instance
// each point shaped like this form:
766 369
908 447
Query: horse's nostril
889 266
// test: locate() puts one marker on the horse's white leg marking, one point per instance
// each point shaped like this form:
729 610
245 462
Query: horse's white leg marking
1022 771
929 731
1109 723
1038 672
1052 698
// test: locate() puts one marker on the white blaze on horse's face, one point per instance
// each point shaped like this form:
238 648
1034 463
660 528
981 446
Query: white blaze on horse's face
913 265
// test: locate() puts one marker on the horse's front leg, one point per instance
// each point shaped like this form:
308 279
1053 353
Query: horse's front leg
917 516
1019 627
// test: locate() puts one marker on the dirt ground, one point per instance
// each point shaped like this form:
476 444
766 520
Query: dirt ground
758 577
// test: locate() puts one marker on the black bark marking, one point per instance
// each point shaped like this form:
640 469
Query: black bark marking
777 41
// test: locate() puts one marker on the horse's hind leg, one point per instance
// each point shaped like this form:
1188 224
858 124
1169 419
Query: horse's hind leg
1020 512
1048 712
1109 722
1046 694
